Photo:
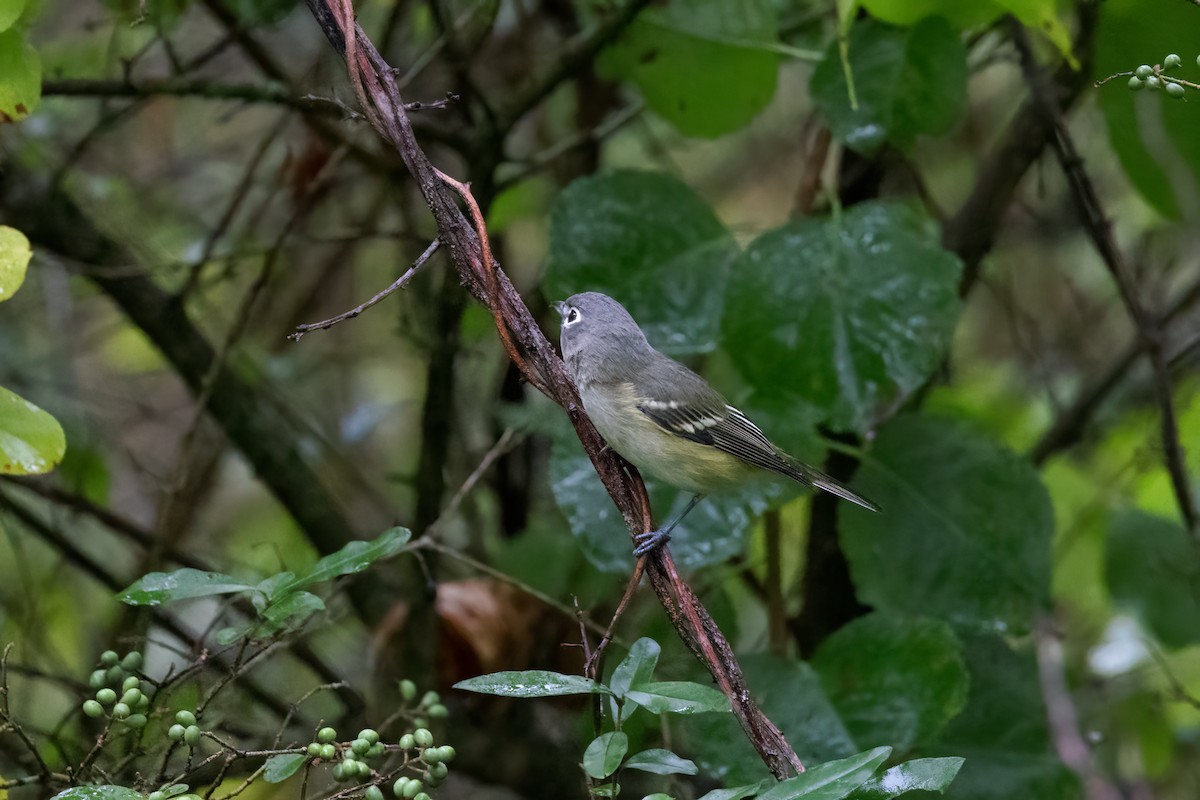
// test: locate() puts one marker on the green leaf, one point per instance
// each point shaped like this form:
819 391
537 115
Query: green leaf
660 762
182 584
20 77
14 258
1153 569
893 681
706 66
907 81
790 694
677 697
603 755
922 774
965 531
531 683
255 13
847 315
354 557
637 667
959 14
288 613
1002 731
646 239
1154 136
106 792
10 12
738 792
831 780
31 441
283 766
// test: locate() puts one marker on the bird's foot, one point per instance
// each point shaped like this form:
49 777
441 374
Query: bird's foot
651 540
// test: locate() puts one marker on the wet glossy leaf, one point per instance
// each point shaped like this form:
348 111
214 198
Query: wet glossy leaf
908 82
157 588
98 793
20 77
706 66
677 697
921 774
660 762
1153 569
283 766
531 683
956 506
649 241
738 792
847 315
637 667
893 681
31 440
604 753
354 557
831 780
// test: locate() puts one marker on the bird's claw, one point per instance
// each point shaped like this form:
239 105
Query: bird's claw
649 541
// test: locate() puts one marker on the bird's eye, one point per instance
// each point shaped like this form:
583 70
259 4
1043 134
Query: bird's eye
572 316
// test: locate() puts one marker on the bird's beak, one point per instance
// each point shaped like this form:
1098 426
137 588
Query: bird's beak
561 307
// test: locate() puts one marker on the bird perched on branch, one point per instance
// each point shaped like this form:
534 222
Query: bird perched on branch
662 417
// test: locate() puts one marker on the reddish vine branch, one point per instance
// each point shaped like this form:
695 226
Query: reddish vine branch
535 357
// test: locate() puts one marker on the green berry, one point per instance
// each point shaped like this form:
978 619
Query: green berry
408 689
407 742
423 737
1198 61
438 711
448 753
1172 61
132 697
420 722
1175 90
360 747
106 696
429 698
439 771
373 793
413 788
1153 82
328 752
370 734
432 755
314 749
132 661
339 772
376 750
157 796
326 735
1136 84
96 679
114 675
421 796
1144 71
121 711
191 735
93 709
143 703
185 718
132 682
175 732
109 658
136 720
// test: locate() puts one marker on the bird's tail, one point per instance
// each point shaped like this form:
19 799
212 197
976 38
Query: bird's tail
806 474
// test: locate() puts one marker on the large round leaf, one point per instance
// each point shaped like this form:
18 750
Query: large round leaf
706 66
649 241
20 77
894 681
907 82
965 530
31 441
847 314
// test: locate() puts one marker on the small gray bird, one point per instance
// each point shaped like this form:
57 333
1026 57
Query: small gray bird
662 417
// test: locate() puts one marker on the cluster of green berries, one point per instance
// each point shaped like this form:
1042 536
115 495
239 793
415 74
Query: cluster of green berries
1148 77
367 747
116 674
185 729
429 707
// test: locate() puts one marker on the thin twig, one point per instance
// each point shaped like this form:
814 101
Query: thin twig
592 663
398 284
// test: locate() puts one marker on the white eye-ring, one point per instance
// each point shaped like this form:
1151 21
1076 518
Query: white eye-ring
573 316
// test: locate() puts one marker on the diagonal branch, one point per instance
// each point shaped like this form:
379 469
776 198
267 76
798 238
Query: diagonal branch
538 362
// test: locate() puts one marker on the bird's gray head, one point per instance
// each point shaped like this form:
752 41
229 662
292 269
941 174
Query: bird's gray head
599 338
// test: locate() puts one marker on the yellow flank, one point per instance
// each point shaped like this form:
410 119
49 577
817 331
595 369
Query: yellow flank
680 462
